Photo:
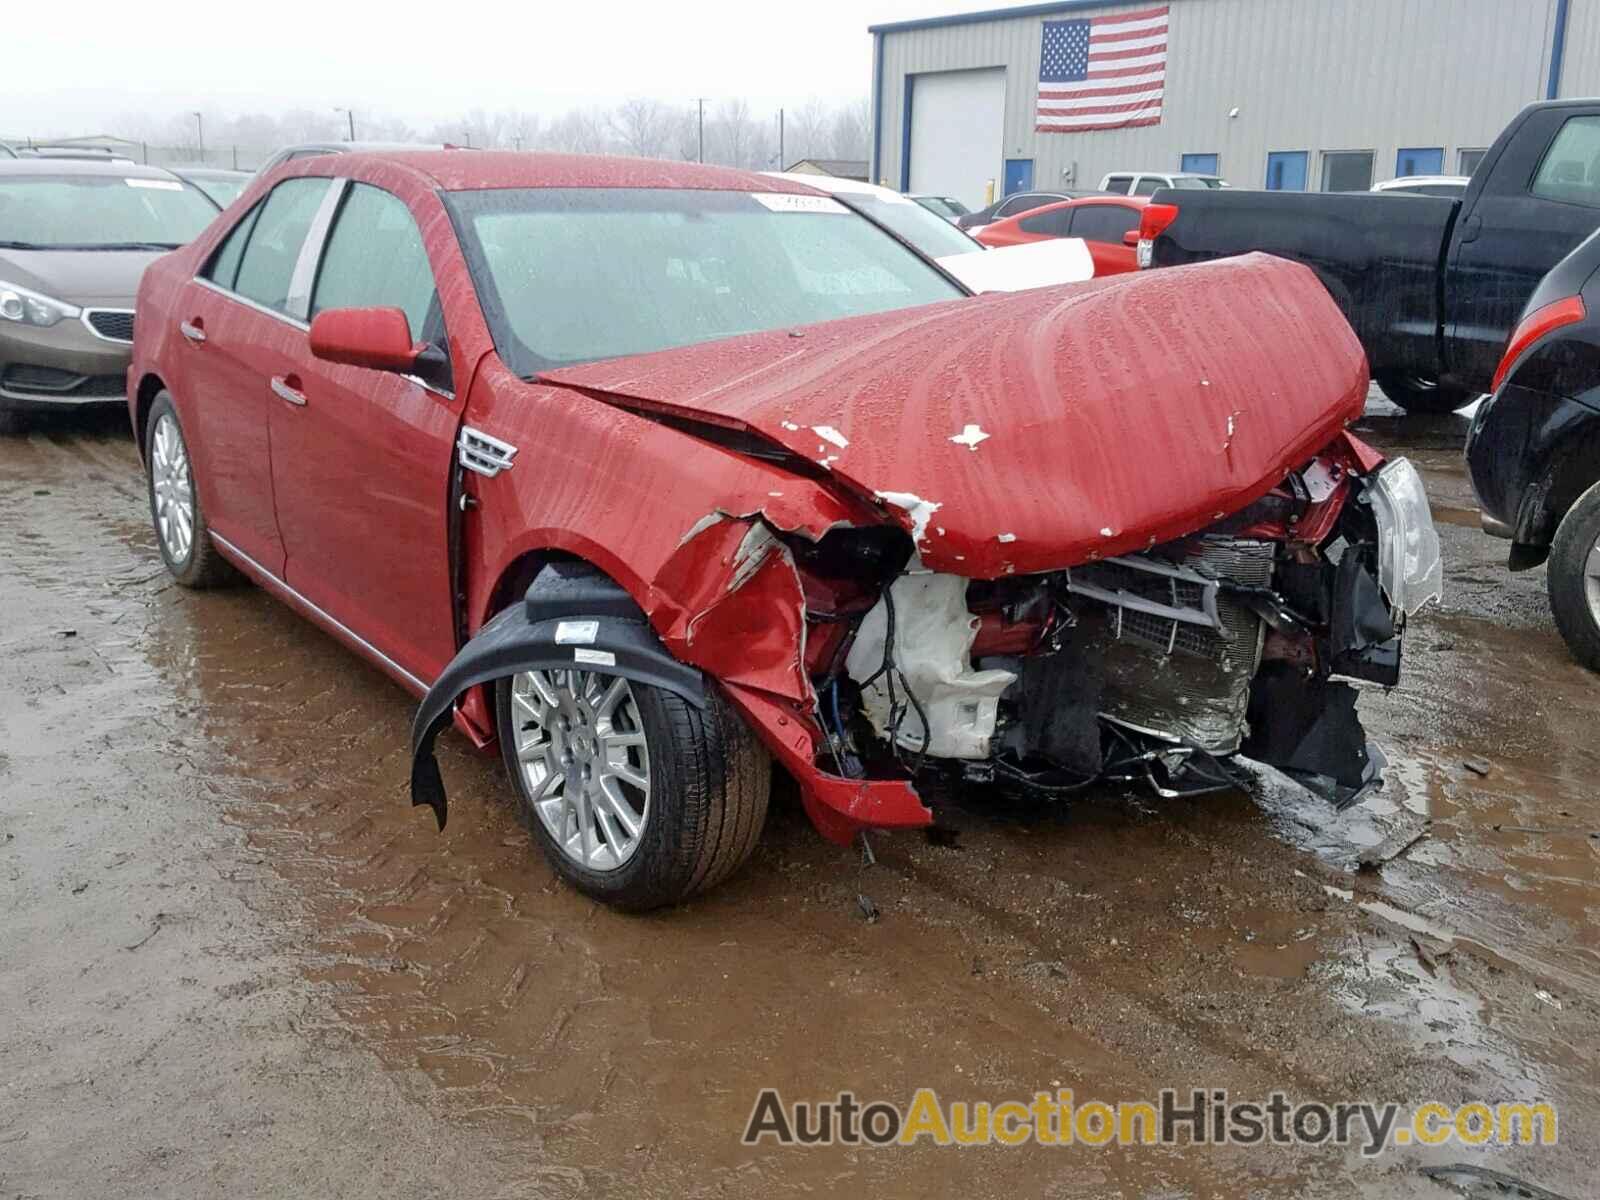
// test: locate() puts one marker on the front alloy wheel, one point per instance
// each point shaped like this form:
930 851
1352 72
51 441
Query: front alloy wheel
584 760
637 797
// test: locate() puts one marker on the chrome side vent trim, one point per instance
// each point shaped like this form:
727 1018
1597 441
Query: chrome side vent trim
486 455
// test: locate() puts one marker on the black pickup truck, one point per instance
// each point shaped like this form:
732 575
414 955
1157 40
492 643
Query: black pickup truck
1432 286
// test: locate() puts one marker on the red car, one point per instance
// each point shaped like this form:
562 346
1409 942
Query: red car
653 473
1109 226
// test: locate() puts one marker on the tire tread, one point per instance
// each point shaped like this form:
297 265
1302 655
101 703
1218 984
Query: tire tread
1569 554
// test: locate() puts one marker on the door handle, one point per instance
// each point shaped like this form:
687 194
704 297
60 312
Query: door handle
283 386
193 330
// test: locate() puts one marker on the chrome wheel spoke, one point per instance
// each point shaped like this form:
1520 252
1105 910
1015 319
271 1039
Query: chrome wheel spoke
585 762
627 774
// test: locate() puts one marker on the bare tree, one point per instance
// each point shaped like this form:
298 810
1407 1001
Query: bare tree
732 130
806 131
850 132
577 131
642 126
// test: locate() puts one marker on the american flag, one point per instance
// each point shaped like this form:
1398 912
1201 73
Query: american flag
1103 72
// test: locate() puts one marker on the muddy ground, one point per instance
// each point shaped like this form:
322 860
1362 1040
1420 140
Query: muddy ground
233 960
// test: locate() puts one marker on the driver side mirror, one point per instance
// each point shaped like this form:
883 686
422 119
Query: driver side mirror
1131 238
376 338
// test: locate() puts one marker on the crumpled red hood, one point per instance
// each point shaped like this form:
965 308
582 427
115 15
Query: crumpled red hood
1031 431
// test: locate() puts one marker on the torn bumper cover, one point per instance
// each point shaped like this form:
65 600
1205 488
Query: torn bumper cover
572 617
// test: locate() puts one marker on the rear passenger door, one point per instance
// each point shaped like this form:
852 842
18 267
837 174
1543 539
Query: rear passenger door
239 319
1539 199
362 459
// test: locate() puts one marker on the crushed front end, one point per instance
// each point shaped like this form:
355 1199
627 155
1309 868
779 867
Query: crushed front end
1158 667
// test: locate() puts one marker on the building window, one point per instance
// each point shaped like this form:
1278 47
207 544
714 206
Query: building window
1570 171
1199 164
1346 170
1467 161
1286 171
1428 161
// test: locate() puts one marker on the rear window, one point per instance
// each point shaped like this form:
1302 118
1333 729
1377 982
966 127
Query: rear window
1570 171
570 275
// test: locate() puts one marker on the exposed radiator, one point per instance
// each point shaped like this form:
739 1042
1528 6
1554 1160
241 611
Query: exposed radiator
1180 652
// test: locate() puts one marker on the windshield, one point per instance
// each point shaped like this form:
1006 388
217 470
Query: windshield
932 235
1198 181
223 191
96 212
571 275
944 206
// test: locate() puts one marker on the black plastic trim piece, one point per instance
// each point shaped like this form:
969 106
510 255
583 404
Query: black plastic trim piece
571 618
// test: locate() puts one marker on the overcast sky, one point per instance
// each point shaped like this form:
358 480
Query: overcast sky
94 64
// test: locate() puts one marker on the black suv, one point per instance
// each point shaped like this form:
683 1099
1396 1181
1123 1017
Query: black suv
1534 446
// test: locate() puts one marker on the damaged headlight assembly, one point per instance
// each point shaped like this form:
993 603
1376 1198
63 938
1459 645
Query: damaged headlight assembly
1410 569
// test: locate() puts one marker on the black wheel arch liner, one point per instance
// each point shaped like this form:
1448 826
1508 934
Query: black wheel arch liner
572 616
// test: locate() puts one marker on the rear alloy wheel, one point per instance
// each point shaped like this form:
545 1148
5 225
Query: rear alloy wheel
181 531
1573 578
1418 395
636 797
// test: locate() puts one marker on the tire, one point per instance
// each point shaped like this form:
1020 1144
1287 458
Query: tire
1574 578
1417 395
169 475
709 781
12 423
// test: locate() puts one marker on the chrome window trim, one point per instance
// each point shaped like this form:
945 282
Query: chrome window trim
304 278
302 282
249 303
87 312
280 585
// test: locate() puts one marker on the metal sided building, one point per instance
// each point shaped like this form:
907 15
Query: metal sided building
1302 94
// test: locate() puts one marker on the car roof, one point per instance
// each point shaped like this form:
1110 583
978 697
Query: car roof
204 172
358 147
1413 180
116 168
471 170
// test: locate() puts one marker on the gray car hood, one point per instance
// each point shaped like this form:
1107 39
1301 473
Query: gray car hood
88 278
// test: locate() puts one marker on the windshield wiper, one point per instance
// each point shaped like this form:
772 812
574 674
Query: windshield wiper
126 246
91 246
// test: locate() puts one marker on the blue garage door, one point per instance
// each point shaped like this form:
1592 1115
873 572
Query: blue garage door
1200 164
1419 162
1286 171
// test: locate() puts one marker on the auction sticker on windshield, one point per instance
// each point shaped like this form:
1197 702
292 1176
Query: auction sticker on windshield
787 202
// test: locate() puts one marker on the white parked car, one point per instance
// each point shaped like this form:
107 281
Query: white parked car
1148 183
1452 187
979 269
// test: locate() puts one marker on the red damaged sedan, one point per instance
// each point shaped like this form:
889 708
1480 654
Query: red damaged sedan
651 474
